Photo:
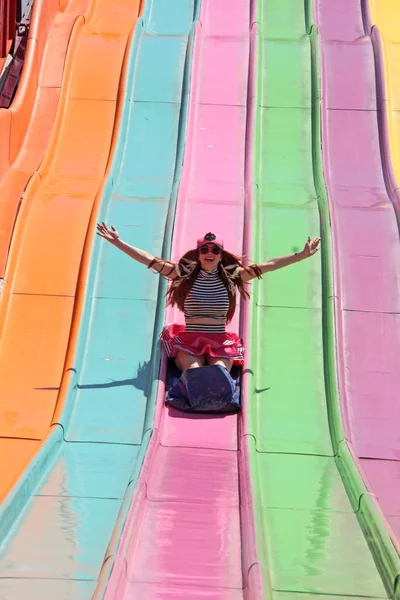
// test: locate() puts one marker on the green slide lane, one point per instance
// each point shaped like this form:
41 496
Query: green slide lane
310 541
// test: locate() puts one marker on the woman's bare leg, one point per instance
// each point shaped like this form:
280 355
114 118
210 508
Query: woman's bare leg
184 361
222 362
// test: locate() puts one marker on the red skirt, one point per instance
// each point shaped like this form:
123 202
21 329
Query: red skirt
218 345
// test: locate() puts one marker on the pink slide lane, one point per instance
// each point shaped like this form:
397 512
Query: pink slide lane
366 250
188 533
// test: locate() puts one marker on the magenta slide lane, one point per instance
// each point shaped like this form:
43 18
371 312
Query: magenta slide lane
366 250
189 532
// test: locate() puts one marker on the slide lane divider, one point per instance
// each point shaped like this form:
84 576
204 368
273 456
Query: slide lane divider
257 587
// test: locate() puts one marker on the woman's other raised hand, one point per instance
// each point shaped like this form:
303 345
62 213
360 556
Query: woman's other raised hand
108 233
311 247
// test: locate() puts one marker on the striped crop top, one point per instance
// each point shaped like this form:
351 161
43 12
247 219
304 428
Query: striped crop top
208 299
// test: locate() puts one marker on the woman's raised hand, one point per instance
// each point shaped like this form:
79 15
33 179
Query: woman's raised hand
108 233
311 247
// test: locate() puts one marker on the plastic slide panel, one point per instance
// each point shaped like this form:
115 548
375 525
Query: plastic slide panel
366 249
310 542
26 126
39 295
187 532
369 305
25 129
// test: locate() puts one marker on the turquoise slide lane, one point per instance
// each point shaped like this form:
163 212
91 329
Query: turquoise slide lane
57 546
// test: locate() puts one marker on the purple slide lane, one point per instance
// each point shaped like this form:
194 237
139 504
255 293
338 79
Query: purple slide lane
189 530
366 250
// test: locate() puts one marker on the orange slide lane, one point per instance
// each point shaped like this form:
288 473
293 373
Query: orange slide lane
37 302
26 126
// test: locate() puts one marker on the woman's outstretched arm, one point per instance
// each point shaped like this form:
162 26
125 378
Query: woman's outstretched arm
162 266
310 248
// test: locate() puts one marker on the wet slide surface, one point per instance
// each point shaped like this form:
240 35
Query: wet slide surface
309 538
366 243
25 127
188 494
183 535
25 130
36 312
373 325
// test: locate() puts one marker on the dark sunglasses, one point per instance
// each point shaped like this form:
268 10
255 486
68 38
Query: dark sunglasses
214 250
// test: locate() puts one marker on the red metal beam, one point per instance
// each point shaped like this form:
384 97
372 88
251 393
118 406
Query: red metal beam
12 19
3 27
8 13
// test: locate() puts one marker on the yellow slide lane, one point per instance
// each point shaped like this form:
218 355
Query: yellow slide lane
385 14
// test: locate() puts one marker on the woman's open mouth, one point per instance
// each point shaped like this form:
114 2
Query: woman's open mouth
209 259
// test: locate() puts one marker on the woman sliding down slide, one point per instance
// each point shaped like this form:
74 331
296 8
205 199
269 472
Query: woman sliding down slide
203 286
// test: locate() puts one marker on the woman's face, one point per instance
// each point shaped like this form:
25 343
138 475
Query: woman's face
210 256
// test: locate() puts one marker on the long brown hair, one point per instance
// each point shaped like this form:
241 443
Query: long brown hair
189 267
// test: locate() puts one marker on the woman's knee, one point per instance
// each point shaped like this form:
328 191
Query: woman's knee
185 361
